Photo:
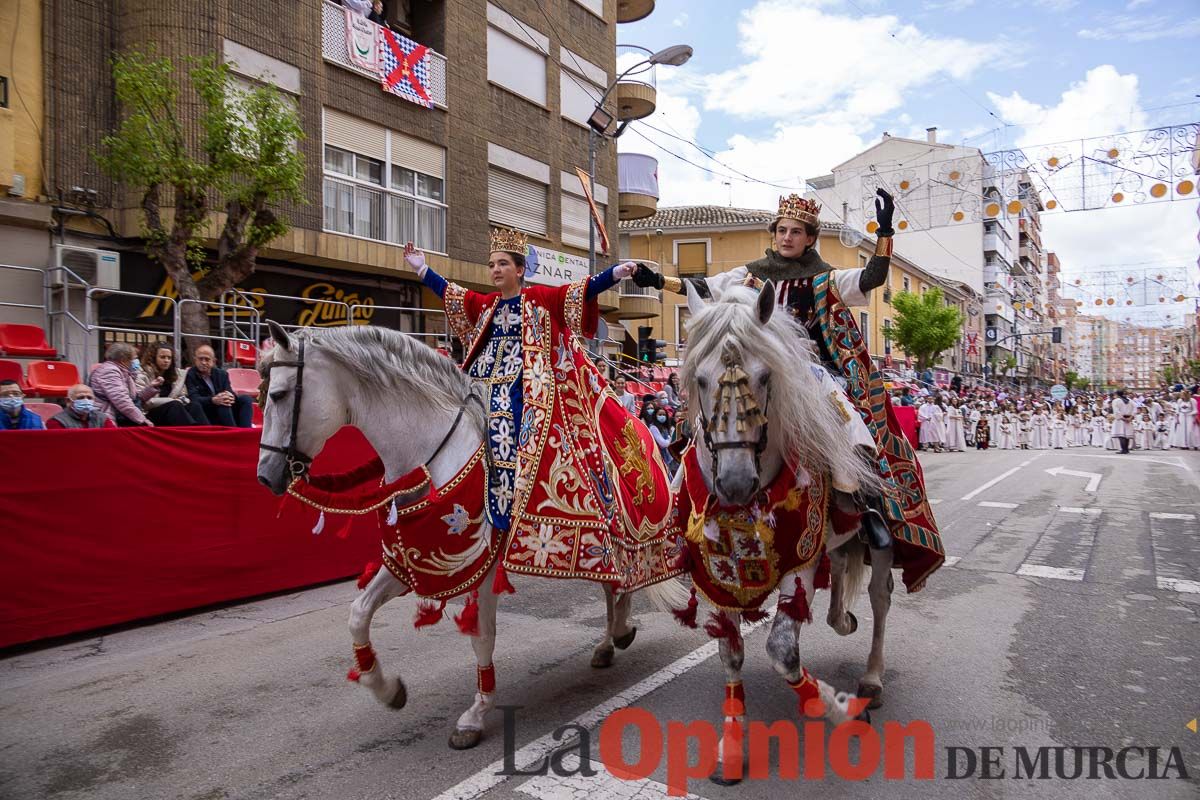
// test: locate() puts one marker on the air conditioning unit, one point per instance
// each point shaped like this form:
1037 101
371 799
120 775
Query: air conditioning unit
97 268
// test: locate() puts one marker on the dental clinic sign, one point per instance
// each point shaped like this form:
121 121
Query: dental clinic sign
552 268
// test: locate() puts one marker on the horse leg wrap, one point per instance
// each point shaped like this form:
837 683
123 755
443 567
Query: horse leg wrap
487 678
364 661
810 695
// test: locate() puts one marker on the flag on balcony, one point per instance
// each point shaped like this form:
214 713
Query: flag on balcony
362 41
404 67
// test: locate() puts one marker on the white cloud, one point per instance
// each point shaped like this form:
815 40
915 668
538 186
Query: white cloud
1056 5
843 73
1103 102
1141 28
1132 4
680 20
953 6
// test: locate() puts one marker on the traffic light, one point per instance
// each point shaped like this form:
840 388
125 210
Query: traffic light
650 350
1056 335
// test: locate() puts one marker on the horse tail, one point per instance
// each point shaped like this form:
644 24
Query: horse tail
669 595
856 571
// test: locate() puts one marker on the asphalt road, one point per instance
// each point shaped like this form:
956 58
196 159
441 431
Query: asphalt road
1068 619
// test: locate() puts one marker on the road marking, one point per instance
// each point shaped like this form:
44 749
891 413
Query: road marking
951 561
488 778
1077 510
935 502
1093 477
1164 515
990 483
1177 462
990 504
601 786
1179 585
1059 573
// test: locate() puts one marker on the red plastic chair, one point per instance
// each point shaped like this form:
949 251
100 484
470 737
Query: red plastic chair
243 354
52 378
26 341
44 410
12 371
245 381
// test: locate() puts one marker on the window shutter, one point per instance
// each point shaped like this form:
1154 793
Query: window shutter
516 202
355 135
575 221
418 155
693 257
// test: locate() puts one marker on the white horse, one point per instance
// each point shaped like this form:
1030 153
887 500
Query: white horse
802 426
416 408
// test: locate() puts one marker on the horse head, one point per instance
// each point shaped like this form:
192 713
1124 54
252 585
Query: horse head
303 406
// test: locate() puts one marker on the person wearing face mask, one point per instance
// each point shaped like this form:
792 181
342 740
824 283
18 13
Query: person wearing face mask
663 432
116 392
14 416
81 411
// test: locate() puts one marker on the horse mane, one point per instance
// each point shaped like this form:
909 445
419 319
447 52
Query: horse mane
800 414
385 363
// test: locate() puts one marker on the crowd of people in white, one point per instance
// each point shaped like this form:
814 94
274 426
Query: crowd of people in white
1146 421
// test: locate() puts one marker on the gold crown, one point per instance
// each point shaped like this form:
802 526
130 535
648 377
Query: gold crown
507 240
796 207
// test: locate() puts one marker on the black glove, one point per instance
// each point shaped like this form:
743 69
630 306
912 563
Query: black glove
647 278
884 209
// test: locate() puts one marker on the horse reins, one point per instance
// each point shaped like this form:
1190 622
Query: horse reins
734 394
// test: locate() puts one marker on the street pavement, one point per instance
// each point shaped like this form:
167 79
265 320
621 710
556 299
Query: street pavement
1064 618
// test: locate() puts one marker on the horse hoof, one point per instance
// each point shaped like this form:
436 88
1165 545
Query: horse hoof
720 780
865 716
623 642
602 659
853 623
464 740
874 693
400 698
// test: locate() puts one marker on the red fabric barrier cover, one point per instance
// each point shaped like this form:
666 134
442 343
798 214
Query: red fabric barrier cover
107 526
907 417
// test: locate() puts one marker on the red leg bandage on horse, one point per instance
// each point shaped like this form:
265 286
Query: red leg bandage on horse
735 699
810 695
487 678
364 659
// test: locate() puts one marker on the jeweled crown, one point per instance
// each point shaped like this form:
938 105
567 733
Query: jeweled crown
796 207
508 241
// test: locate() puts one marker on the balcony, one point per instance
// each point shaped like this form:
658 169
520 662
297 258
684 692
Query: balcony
637 93
336 48
638 183
633 10
639 302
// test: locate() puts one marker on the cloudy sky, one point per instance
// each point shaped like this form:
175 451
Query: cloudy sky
782 90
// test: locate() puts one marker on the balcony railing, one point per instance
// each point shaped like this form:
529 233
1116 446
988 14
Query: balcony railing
336 51
630 289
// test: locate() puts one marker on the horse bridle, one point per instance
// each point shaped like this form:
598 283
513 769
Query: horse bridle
298 462
707 425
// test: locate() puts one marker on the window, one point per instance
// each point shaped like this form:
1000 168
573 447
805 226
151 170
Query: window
887 341
383 185
907 284
576 219
864 327
517 64
578 96
517 202
692 257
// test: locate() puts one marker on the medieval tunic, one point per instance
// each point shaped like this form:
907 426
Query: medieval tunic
1039 436
1007 434
579 483
820 297
1122 426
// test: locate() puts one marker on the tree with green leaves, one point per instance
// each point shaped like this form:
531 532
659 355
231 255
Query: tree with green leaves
925 326
1169 374
1073 379
196 145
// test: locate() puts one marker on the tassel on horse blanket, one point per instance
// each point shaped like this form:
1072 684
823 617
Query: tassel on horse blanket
429 612
353 675
393 515
821 579
368 574
755 614
500 584
320 526
721 626
687 615
468 620
796 606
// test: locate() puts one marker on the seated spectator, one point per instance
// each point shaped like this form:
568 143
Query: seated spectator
208 386
672 390
116 393
626 398
81 411
170 406
14 416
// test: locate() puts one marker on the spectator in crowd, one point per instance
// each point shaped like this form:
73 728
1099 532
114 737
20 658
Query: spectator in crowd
377 14
906 398
169 406
649 408
116 392
14 416
208 385
663 431
81 411
626 398
672 390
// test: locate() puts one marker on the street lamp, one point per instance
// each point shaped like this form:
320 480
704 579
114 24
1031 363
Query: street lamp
600 120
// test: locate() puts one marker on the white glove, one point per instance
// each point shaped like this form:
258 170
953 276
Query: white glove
415 259
623 271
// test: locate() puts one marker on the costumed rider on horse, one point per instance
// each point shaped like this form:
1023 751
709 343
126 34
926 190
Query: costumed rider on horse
575 481
819 297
